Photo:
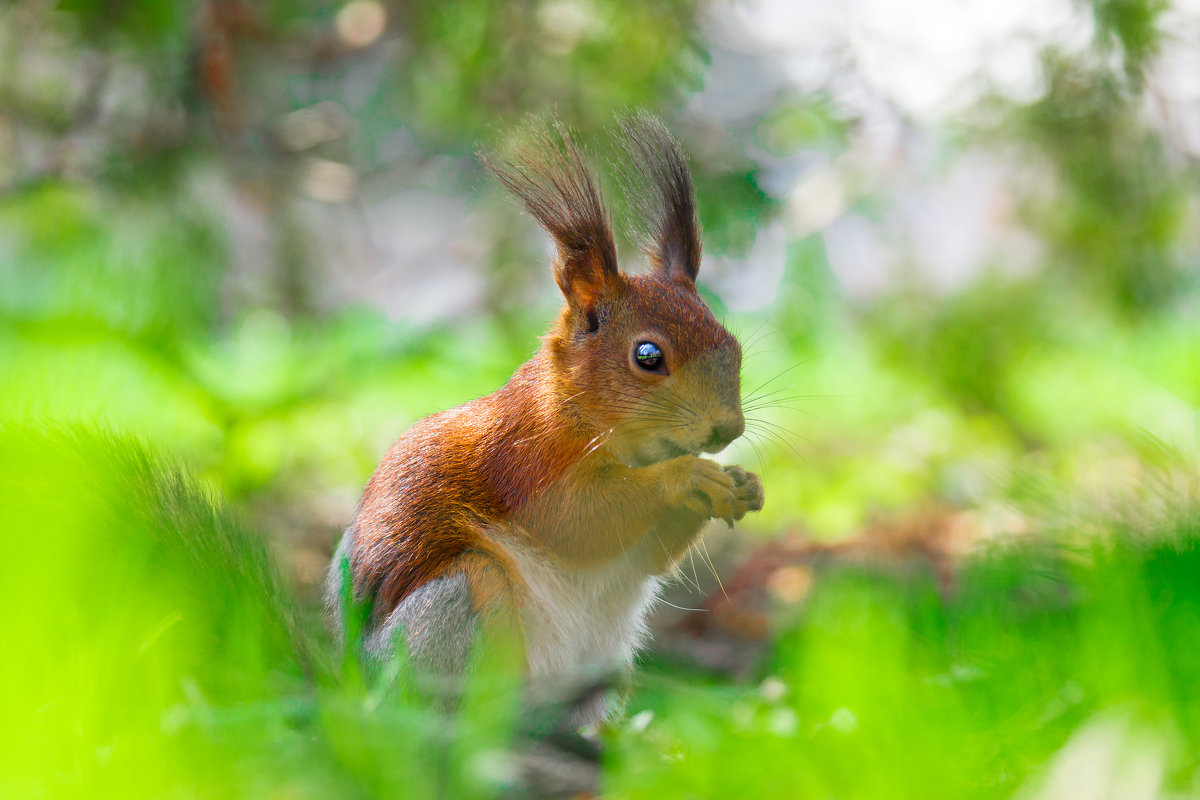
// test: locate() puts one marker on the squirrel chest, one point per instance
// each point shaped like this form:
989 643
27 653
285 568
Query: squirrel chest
581 620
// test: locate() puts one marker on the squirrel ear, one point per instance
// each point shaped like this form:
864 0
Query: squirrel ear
583 281
548 175
658 187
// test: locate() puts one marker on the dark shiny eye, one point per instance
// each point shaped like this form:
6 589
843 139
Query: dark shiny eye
648 355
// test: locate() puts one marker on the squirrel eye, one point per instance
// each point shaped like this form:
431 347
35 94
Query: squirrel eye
648 355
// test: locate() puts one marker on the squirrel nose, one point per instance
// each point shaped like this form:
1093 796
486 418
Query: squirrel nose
725 432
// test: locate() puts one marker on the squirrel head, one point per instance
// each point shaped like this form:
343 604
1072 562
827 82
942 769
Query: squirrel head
639 358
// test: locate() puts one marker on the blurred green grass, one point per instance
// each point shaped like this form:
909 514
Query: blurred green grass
885 689
152 648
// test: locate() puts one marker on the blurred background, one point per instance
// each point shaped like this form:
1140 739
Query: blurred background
959 240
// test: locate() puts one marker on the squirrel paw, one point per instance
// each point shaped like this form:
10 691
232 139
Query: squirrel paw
727 493
747 490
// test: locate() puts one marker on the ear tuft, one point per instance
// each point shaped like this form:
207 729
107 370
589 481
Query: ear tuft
658 187
547 173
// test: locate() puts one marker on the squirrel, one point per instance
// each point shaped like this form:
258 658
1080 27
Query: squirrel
559 502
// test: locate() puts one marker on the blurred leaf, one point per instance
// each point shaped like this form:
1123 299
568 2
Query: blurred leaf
1133 26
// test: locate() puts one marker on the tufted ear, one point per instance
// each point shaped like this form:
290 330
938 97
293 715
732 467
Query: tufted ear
658 187
548 175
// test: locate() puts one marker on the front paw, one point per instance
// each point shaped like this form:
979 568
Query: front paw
747 490
711 490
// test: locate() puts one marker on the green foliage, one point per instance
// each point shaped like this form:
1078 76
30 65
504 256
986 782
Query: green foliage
138 609
1132 26
886 689
731 222
136 267
972 342
144 24
796 123
1117 218
153 649
479 66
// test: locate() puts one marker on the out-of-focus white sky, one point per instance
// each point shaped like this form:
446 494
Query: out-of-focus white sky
928 58
906 72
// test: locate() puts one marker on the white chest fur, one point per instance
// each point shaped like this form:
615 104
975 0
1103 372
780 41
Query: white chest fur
581 624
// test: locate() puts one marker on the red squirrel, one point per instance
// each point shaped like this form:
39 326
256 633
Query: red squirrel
559 501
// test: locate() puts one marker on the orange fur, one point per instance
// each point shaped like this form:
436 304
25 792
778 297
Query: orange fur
584 457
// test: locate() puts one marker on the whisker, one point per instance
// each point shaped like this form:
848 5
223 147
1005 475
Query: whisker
793 409
684 579
596 443
628 400
757 453
767 427
783 401
633 416
767 441
766 431
751 340
765 383
759 395
713 567
748 348
681 608
768 435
